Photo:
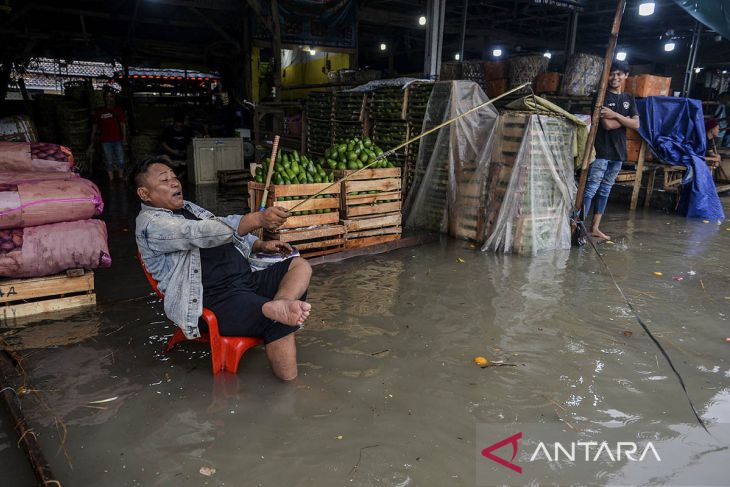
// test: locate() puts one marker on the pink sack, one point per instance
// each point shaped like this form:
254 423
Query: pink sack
50 249
11 177
32 203
35 156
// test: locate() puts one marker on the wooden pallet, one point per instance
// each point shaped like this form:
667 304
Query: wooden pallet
387 197
20 298
235 177
373 230
312 242
330 201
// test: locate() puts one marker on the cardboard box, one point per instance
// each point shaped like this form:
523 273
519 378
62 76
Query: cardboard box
648 85
495 70
632 150
496 87
547 83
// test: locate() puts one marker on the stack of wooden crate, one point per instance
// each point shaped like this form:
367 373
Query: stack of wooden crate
319 111
388 119
314 229
351 117
417 96
541 151
370 206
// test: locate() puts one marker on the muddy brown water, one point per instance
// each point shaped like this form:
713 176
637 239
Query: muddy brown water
388 394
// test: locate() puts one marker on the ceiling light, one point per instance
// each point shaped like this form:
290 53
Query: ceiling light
669 46
383 47
621 56
312 52
697 70
724 71
497 52
646 8
421 20
547 54
456 56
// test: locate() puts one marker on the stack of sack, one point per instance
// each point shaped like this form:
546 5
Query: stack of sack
47 213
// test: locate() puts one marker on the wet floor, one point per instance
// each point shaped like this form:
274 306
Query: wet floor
388 394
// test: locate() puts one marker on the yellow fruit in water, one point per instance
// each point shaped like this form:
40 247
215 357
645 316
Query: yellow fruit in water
481 361
658 274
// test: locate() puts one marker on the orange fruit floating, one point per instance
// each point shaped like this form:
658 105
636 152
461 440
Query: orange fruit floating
481 361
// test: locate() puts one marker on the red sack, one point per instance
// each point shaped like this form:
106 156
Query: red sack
33 203
50 249
34 156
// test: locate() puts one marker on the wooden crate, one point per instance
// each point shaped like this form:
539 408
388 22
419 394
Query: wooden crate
648 85
31 296
235 177
312 242
330 201
548 83
387 197
373 230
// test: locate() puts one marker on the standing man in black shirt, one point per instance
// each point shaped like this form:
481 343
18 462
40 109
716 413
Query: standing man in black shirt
618 113
175 140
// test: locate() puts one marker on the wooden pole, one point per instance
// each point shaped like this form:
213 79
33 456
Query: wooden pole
27 438
595 119
274 153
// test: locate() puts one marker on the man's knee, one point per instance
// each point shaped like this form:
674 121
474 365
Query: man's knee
300 263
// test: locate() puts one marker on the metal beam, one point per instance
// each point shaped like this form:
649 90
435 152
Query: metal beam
216 28
692 59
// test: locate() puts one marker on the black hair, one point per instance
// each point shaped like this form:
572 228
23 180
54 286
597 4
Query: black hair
141 169
622 66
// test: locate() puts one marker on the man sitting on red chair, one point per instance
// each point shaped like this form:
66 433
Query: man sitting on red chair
201 260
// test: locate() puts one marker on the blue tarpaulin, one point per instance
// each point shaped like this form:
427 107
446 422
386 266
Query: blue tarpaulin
675 131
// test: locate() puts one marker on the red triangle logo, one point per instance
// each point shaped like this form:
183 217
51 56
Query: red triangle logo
487 452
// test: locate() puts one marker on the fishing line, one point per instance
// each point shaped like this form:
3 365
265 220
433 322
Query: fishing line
584 234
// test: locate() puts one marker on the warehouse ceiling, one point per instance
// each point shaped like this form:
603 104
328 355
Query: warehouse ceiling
210 32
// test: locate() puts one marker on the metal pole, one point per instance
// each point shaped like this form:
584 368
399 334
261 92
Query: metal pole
692 59
434 38
573 32
463 29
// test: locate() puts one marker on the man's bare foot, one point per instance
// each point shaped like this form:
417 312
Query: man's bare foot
287 311
599 234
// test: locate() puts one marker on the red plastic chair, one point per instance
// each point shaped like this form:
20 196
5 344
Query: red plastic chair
226 352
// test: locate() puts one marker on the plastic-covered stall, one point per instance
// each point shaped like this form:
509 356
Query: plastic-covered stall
448 188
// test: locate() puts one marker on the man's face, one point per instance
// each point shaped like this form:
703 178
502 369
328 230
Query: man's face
161 188
616 79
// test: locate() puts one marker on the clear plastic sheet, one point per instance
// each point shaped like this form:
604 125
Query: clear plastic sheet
534 214
452 164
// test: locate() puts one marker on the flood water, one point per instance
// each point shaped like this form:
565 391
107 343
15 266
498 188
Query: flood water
388 393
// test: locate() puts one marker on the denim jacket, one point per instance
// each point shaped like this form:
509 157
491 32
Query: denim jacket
170 248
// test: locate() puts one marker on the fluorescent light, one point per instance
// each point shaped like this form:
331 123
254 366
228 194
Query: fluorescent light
383 47
724 71
547 54
669 46
456 56
421 20
621 56
497 52
312 52
646 8
697 70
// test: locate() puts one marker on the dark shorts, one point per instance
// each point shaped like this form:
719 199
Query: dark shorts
239 312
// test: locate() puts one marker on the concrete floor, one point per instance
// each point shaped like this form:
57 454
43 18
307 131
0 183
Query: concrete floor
388 394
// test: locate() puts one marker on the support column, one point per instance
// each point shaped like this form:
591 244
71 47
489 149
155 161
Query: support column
434 37
692 59
463 29
276 44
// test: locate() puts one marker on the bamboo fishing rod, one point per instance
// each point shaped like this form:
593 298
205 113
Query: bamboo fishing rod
408 142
